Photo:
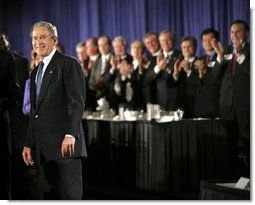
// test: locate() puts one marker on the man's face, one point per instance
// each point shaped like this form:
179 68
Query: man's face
238 34
137 50
151 43
206 41
42 42
103 46
81 53
119 48
166 42
188 49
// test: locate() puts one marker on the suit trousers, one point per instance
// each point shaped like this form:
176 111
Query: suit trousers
65 179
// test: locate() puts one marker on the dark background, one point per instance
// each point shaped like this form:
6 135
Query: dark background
77 20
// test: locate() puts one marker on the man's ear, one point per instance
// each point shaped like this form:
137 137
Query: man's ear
55 40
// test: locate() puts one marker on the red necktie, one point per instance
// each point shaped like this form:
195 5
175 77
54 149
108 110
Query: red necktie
234 64
207 59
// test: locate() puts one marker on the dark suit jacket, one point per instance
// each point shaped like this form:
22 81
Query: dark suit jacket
207 94
235 90
159 92
186 90
60 108
101 89
9 94
18 120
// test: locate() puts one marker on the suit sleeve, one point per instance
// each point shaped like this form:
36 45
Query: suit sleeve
12 93
76 95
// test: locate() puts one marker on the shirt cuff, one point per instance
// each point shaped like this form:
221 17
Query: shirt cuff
241 58
123 77
111 71
68 135
219 61
156 69
175 77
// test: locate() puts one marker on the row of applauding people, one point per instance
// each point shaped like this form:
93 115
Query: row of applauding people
216 84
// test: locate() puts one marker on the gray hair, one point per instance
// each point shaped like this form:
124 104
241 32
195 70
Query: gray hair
51 28
122 39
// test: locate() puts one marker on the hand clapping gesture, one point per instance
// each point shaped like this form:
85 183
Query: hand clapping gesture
162 62
218 48
201 67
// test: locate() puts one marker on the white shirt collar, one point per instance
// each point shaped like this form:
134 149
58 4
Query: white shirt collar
168 54
135 64
46 60
191 59
94 58
106 57
156 53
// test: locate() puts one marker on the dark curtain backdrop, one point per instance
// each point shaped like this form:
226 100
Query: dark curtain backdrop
77 20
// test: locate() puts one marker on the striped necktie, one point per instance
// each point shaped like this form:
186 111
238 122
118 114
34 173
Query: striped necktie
39 80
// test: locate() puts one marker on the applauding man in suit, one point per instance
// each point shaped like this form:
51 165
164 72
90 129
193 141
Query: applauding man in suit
233 68
55 124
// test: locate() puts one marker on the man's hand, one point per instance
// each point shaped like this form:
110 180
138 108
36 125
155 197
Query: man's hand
201 67
67 148
218 48
162 62
27 157
177 67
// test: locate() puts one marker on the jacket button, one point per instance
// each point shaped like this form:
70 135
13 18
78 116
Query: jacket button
36 116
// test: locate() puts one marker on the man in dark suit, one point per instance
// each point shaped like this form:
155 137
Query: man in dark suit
99 70
185 77
207 95
165 95
233 68
152 45
18 124
9 93
55 124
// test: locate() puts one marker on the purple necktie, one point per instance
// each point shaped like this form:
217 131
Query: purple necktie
234 64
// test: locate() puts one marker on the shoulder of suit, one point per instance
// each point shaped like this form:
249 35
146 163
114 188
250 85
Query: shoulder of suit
65 57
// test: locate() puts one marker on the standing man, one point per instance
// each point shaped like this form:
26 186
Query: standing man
233 68
55 124
18 124
9 92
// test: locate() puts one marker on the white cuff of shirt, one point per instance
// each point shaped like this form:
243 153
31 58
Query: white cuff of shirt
68 135
156 69
241 58
175 77
123 77
111 71
219 61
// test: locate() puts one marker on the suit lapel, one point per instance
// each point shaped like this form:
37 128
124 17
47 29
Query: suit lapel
47 77
32 81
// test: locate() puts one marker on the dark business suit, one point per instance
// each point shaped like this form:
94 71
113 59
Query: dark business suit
18 127
149 83
207 94
235 90
101 89
111 79
160 93
235 102
186 88
59 112
9 93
